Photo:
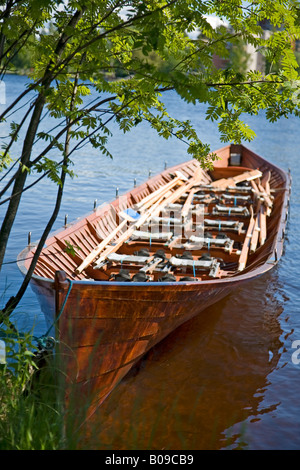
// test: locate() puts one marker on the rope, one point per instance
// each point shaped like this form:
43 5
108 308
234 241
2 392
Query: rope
45 336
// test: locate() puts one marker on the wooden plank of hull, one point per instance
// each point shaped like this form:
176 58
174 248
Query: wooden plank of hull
90 331
92 361
85 397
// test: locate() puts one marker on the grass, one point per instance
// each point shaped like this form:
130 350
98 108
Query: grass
30 416
32 387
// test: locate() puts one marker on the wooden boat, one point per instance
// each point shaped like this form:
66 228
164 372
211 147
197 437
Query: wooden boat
120 279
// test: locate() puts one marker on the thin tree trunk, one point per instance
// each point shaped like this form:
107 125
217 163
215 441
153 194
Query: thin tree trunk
14 301
4 17
21 178
28 144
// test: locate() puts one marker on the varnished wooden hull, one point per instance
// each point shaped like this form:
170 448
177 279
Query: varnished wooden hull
106 327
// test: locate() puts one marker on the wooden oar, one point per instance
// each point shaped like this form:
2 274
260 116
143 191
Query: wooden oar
265 180
245 250
247 176
263 225
256 230
173 241
255 187
266 192
183 189
187 204
152 197
94 253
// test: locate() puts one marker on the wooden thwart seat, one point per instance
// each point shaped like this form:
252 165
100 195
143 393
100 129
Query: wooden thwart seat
155 236
235 199
213 266
208 242
231 225
135 259
239 189
231 210
146 263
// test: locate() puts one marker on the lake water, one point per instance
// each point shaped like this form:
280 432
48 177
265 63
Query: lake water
230 377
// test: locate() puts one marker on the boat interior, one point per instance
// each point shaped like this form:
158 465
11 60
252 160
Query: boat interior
186 224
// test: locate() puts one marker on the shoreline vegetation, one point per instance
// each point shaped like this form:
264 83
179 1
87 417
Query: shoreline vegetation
32 416
29 417
238 59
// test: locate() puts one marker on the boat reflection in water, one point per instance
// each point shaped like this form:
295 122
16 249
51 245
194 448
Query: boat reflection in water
202 386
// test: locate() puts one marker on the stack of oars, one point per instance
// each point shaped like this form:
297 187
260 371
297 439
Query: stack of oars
257 228
149 206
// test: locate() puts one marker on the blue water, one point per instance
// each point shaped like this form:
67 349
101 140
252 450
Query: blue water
229 376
